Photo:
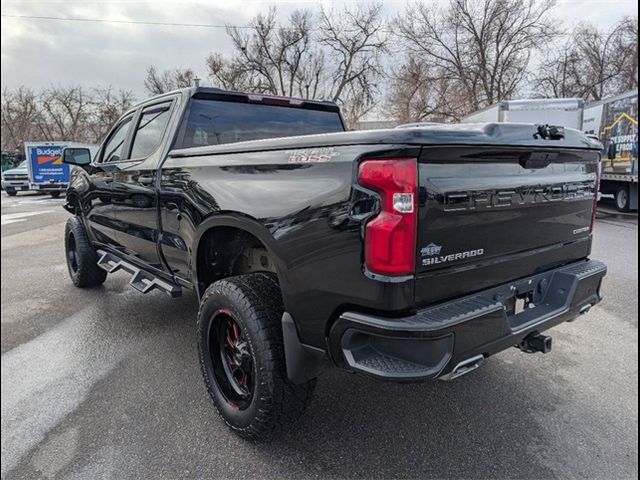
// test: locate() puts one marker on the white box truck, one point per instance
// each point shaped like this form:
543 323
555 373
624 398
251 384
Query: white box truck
562 112
614 121
47 173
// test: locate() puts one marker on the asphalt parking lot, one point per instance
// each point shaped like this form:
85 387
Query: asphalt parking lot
105 383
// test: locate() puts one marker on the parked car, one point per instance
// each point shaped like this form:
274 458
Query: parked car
403 254
16 179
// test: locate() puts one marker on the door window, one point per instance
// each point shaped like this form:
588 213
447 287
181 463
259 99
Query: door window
113 149
148 136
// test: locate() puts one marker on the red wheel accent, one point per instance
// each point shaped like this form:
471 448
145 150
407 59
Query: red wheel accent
232 359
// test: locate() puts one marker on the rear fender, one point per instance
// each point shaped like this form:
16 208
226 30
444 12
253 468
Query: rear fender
249 225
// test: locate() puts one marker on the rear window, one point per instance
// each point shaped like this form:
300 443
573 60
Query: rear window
213 122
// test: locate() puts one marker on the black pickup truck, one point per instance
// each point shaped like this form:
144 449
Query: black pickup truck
403 254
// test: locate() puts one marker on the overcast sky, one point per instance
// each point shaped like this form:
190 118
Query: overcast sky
42 52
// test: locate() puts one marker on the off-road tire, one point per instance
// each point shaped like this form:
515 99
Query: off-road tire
254 300
82 260
11 192
55 194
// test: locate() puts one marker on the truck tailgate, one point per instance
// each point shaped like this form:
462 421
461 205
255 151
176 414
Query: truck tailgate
489 215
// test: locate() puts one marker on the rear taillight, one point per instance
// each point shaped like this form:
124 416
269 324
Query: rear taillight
390 237
595 198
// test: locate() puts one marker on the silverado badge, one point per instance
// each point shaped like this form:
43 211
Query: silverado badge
430 250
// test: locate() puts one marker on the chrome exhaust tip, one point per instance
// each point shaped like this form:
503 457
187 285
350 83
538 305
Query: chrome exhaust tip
585 308
464 367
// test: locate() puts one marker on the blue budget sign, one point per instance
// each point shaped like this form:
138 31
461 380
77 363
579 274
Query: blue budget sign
47 166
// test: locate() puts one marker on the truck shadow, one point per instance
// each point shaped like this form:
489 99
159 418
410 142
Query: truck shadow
486 425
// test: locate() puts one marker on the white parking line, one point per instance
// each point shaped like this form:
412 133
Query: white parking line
31 200
8 218
40 201
46 379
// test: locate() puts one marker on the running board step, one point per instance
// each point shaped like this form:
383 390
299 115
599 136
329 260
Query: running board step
141 280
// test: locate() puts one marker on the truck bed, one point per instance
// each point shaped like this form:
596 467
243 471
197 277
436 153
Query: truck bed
515 134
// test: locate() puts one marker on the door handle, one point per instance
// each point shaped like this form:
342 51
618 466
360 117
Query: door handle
175 208
145 180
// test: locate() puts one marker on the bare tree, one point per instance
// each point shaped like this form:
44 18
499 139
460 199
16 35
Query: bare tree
593 63
108 106
70 113
312 76
64 113
160 82
481 47
559 78
228 75
340 61
599 64
627 54
19 114
418 94
356 42
269 58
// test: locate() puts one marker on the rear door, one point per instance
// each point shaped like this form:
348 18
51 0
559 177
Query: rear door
134 184
489 215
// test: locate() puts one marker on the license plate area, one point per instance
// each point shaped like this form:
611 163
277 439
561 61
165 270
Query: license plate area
525 297
528 300
521 305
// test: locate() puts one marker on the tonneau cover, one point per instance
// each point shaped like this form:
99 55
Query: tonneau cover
512 134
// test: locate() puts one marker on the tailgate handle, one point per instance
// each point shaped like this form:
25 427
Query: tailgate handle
549 132
537 159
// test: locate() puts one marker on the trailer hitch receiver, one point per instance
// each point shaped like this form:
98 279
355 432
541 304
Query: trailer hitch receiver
535 342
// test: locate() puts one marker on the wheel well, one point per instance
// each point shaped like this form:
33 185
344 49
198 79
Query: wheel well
73 204
229 251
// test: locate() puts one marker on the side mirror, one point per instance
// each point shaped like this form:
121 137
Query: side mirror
611 151
76 156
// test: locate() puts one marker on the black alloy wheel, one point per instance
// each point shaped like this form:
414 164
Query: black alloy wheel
72 254
81 256
232 360
241 353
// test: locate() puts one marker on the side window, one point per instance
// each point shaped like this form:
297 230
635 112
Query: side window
153 122
115 144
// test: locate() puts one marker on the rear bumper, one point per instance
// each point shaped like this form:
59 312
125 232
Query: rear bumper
431 342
